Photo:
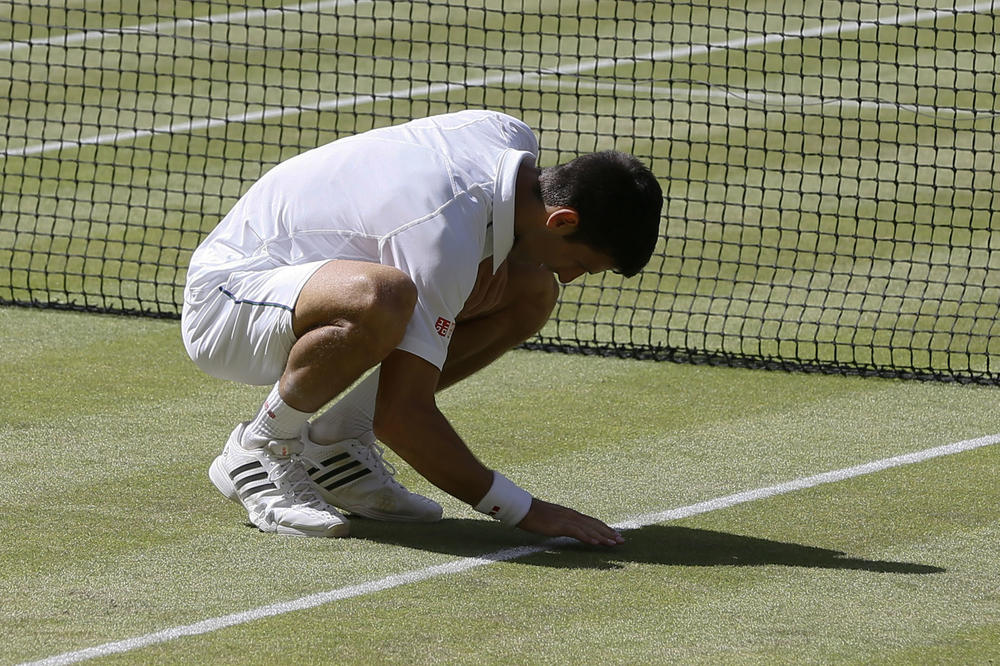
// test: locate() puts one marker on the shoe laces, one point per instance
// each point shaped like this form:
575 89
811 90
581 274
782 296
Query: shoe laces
373 456
290 475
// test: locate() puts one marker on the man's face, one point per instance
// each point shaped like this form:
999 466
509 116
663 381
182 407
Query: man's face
569 260
547 244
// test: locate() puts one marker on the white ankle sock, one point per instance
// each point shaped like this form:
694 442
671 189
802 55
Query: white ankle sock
349 417
275 420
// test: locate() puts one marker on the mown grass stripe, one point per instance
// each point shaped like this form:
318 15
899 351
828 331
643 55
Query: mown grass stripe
464 564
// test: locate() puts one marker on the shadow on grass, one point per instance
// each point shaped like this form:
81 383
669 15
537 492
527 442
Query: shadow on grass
654 544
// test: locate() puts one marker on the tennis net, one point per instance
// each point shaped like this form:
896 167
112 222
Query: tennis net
829 168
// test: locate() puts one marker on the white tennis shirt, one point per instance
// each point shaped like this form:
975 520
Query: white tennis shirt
432 197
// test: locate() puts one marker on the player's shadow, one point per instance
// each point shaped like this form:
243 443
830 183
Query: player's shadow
654 544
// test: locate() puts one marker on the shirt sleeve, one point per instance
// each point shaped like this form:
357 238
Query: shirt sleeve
441 255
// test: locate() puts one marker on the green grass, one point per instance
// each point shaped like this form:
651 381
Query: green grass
112 529
796 226
828 199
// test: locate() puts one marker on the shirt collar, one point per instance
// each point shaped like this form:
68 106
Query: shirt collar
503 203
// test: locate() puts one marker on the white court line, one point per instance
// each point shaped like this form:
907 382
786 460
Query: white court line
243 16
731 97
467 563
670 54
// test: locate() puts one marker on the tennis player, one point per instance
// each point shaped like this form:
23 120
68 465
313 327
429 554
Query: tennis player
423 251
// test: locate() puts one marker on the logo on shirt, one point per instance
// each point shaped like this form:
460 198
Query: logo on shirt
444 327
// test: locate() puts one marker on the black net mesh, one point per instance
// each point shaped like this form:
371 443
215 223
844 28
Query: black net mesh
829 168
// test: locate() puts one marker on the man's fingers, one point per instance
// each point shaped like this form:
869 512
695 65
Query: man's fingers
607 536
555 520
595 532
600 538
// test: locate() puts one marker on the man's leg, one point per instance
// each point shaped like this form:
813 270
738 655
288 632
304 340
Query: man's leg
344 319
527 303
346 323
348 317
345 429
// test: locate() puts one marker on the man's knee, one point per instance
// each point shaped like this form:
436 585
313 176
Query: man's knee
534 292
375 301
384 299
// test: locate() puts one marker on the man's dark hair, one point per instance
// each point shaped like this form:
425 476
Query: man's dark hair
618 200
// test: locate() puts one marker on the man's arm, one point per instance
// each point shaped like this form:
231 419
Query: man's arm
408 421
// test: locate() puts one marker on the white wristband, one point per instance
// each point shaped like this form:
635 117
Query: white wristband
505 501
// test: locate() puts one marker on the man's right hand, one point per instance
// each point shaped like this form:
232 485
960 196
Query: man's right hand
554 520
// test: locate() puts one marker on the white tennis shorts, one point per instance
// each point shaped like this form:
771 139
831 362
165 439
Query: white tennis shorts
239 326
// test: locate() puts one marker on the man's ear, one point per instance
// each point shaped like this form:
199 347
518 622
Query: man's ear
563 220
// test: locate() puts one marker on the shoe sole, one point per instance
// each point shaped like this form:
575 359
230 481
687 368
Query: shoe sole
334 532
220 479
387 517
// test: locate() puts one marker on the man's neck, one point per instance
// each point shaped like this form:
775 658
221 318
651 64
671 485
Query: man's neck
528 207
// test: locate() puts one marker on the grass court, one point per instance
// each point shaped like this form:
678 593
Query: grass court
829 172
112 530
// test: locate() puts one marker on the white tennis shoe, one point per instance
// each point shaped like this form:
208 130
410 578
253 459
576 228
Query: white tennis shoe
353 476
273 486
